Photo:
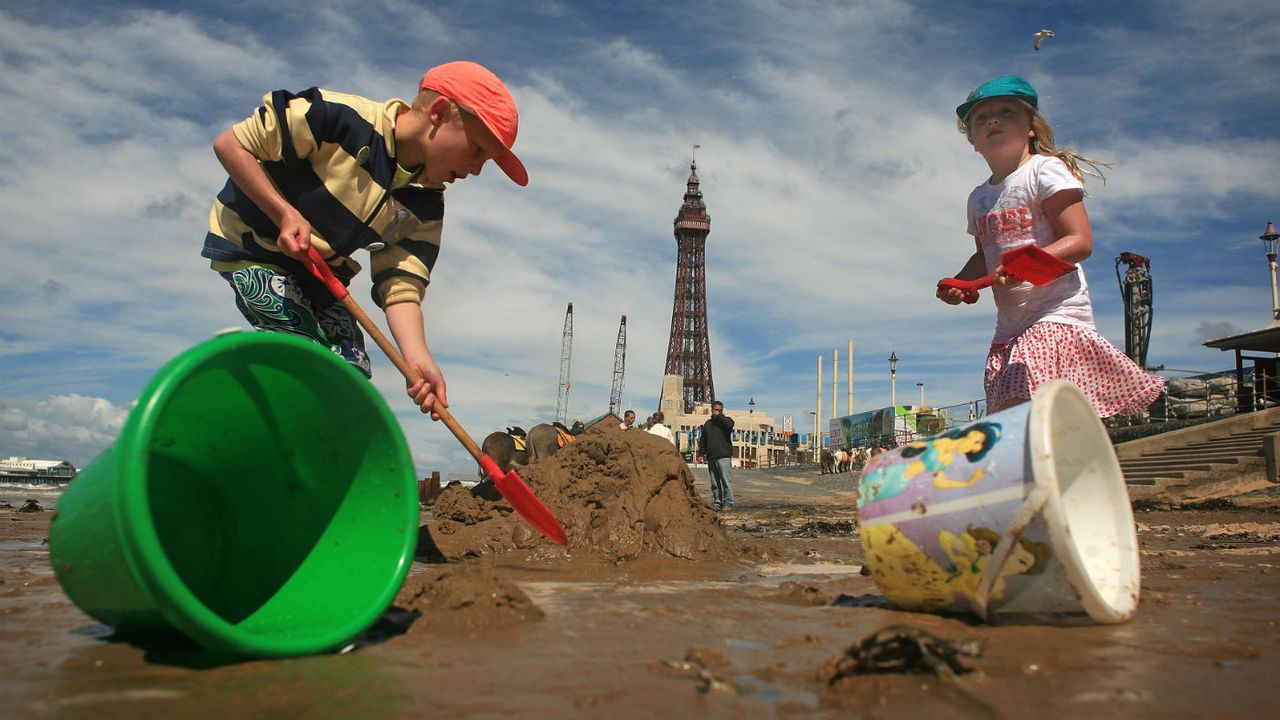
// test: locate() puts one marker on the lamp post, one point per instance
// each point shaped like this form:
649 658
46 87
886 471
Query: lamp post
1269 237
751 427
893 378
921 386
814 444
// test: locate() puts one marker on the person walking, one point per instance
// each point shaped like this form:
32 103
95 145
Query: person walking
716 445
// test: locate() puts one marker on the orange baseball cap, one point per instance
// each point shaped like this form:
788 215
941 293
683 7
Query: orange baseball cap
480 92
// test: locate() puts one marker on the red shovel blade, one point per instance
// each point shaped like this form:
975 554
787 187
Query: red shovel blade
526 504
1030 262
1033 264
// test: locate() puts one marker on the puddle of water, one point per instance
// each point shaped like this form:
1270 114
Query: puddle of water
22 545
551 594
810 569
96 630
750 686
863 601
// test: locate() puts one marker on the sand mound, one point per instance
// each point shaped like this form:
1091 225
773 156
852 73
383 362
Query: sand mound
617 494
462 598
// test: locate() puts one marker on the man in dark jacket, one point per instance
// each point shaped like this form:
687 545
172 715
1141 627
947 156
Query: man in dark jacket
716 445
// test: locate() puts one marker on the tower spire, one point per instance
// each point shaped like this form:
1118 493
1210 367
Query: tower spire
688 350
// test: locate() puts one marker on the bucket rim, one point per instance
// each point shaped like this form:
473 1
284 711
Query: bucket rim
144 551
1048 402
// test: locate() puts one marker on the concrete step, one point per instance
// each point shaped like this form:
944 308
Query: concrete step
1227 462
1184 475
1185 465
1193 456
1196 454
1162 467
1202 456
1146 474
1242 444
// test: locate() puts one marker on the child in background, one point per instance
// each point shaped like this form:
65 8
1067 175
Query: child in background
342 173
1035 195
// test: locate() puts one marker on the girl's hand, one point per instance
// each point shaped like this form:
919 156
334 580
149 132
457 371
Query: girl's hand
1006 279
953 295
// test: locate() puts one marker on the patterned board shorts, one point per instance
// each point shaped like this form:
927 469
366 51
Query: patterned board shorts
272 301
1114 384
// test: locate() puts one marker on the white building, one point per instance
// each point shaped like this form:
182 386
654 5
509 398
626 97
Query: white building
757 442
38 472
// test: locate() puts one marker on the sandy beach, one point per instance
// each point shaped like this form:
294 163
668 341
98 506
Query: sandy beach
753 621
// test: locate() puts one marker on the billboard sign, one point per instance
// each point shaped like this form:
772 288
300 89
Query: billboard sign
885 426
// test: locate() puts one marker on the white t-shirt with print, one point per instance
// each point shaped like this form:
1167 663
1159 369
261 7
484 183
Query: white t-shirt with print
1010 214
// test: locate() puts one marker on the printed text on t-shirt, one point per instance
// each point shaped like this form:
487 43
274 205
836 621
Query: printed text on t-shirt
1005 220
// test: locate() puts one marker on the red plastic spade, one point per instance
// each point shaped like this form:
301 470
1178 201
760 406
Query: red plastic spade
512 488
1030 262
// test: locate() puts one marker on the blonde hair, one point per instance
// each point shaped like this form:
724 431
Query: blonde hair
426 97
1042 144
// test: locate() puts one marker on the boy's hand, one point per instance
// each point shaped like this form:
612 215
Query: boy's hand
430 388
295 235
243 167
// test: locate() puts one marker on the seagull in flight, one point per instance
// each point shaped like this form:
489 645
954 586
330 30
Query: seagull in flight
1041 36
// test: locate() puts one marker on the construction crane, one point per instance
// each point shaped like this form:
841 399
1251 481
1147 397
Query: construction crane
1135 288
566 349
619 365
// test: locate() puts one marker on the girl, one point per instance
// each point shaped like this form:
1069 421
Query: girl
1036 195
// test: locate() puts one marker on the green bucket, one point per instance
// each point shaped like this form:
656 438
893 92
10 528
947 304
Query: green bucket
260 500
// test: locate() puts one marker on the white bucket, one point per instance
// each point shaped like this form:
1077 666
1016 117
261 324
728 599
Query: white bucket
1022 512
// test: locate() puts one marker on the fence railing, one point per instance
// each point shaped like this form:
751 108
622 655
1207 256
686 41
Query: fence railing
1188 395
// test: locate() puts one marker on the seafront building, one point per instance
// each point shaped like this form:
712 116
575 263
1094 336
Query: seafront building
757 442
36 472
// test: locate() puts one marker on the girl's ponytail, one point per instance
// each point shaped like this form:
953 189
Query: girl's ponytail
1042 144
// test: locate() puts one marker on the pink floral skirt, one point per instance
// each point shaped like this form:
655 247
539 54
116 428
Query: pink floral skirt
1049 351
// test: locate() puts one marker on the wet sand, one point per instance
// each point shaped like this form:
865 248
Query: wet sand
622 626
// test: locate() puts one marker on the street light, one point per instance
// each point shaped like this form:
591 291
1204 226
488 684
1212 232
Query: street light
1269 237
751 426
921 386
893 378
814 443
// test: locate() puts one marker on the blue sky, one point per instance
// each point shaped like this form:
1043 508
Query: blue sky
829 161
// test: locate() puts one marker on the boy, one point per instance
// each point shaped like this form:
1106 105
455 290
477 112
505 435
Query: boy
343 173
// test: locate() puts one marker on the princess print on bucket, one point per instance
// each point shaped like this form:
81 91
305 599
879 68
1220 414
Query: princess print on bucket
1035 196
885 477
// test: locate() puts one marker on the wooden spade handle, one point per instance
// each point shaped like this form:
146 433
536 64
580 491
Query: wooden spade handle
324 274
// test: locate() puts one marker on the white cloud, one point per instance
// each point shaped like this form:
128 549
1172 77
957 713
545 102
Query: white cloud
829 163
62 427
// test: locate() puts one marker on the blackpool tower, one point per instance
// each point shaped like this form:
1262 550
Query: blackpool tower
688 351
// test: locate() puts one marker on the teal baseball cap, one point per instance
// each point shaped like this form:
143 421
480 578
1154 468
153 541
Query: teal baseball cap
1003 86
